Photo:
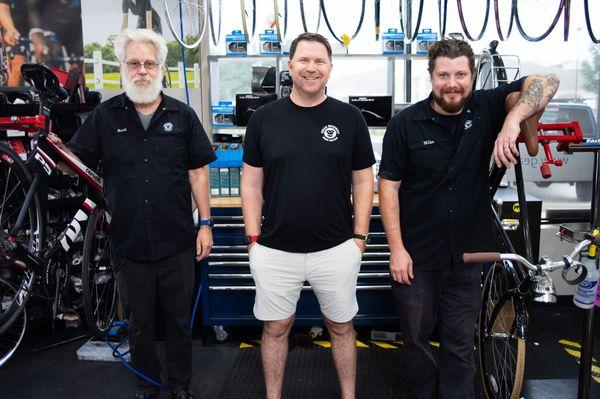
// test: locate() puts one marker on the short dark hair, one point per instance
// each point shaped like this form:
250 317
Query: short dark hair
310 37
451 48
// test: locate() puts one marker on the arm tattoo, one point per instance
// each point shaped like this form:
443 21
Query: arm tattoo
539 91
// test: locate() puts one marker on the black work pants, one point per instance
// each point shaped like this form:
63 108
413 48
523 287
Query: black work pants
452 300
170 282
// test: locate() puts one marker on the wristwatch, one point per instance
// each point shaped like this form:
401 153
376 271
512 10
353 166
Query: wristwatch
251 239
210 222
366 238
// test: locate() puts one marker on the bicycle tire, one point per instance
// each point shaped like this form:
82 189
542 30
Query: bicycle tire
561 7
97 274
31 235
303 17
248 35
442 16
501 353
358 28
414 34
194 11
501 35
215 39
281 37
12 337
463 23
588 23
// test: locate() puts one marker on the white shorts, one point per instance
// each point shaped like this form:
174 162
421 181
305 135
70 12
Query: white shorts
280 275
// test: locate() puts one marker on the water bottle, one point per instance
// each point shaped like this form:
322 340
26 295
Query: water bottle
585 295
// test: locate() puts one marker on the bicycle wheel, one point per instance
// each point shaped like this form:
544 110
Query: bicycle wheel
97 273
588 19
215 34
537 15
510 5
473 6
248 11
186 20
442 17
328 23
501 352
15 181
280 8
315 13
404 26
11 338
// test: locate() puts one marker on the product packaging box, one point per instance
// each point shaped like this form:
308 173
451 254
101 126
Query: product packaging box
377 110
235 43
223 114
424 40
269 43
246 104
392 42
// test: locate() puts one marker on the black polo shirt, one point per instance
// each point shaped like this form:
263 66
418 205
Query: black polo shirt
444 194
146 173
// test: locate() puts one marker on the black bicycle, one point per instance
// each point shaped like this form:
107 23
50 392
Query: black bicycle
31 264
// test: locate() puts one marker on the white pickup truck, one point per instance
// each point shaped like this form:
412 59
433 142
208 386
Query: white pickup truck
577 168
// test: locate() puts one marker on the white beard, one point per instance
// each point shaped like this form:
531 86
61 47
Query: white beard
142 94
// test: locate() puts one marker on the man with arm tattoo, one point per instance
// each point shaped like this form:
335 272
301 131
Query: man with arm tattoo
435 206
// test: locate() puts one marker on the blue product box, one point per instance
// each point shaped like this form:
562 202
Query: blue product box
424 40
223 114
392 42
235 43
269 43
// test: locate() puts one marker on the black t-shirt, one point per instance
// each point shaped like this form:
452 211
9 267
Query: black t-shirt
19 11
444 195
307 155
146 173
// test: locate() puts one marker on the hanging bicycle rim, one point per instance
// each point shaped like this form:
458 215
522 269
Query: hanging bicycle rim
442 17
315 9
248 14
406 14
335 35
588 19
186 20
215 33
280 9
563 6
472 7
498 18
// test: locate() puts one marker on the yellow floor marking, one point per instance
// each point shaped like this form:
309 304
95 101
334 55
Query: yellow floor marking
399 342
244 345
324 344
258 341
570 343
436 344
360 344
573 352
383 345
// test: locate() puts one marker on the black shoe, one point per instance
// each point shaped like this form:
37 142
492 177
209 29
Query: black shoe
182 393
146 395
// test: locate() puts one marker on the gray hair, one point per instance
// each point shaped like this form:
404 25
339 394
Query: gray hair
140 36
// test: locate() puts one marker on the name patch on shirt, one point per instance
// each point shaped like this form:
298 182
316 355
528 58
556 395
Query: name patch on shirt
330 133
428 142
122 130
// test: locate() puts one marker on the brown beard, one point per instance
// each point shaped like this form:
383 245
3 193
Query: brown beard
451 108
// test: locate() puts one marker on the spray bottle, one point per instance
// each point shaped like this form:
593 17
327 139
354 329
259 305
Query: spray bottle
585 295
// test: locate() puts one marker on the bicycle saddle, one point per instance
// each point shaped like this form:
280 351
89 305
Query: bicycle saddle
41 78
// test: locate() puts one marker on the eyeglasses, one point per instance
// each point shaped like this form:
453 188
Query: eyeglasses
136 65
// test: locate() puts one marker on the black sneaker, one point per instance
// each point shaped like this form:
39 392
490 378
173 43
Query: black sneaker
182 393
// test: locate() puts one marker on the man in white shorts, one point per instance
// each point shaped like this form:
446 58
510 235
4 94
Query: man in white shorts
305 157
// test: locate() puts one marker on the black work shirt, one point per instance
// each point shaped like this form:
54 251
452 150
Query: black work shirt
307 155
146 173
444 191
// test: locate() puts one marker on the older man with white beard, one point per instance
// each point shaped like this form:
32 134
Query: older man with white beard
154 153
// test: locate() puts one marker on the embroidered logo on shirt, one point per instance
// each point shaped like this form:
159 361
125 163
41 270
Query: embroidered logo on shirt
468 124
330 133
428 142
168 126
122 130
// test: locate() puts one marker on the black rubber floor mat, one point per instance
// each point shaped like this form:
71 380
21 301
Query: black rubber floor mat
310 373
